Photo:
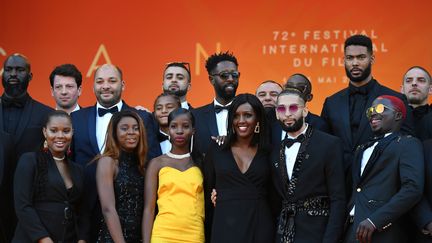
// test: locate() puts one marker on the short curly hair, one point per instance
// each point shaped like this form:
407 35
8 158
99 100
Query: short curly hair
216 58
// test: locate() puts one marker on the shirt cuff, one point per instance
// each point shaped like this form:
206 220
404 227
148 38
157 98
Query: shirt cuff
370 221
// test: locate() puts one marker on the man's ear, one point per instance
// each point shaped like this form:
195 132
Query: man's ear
309 97
211 78
79 91
372 59
398 116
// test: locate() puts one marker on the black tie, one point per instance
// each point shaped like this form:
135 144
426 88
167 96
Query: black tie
288 142
162 137
102 111
219 108
373 140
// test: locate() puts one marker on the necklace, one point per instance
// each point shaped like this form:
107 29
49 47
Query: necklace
177 156
59 159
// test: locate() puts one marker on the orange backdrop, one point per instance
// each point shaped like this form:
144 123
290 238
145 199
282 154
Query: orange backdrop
271 39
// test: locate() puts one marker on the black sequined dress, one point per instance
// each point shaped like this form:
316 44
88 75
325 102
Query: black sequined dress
129 196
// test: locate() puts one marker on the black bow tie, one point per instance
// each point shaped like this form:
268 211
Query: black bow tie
219 108
373 140
358 90
102 111
288 142
14 102
162 137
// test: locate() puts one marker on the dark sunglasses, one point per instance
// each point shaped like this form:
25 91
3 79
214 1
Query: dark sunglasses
379 109
226 75
293 108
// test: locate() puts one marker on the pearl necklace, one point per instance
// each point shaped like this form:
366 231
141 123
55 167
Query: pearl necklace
59 159
177 156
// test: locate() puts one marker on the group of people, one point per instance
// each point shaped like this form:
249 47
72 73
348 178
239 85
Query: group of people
244 168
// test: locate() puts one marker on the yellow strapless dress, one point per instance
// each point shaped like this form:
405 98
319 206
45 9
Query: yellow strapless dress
181 206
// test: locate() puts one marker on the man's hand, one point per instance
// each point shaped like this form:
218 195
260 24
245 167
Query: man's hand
213 197
142 108
364 231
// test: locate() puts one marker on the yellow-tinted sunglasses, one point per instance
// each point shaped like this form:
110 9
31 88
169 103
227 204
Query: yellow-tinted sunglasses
379 109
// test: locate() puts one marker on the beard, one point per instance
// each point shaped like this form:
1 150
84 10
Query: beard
179 93
360 78
16 90
298 124
222 93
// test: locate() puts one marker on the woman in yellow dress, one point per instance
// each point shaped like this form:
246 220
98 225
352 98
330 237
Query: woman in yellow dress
174 181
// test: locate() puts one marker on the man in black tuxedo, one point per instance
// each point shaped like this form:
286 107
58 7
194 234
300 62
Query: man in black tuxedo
177 81
21 121
388 177
308 175
6 194
302 83
344 111
416 86
211 119
90 126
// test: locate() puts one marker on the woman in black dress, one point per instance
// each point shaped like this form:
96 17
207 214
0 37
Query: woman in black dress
48 188
240 173
120 180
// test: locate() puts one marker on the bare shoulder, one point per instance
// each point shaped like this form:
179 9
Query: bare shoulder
157 163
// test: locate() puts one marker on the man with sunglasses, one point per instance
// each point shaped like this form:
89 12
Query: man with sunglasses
344 111
308 175
388 177
302 83
177 81
211 119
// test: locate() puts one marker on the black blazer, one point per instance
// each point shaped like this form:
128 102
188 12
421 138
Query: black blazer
85 148
41 214
7 214
205 126
391 184
336 113
321 174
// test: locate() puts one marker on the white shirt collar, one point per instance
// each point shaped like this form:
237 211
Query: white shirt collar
215 103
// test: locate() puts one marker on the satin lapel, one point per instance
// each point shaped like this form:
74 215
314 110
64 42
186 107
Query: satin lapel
1 115
210 117
357 166
276 133
25 119
276 164
364 127
91 121
344 117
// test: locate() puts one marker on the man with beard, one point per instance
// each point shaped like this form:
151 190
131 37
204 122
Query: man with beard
302 83
177 81
90 125
211 119
308 175
65 81
344 111
388 177
21 121
416 86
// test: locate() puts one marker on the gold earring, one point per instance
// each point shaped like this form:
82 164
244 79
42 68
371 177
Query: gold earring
257 128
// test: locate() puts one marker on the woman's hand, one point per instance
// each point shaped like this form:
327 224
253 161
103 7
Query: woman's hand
213 197
219 139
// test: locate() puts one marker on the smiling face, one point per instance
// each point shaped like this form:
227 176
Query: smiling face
58 134
224 85
244 121
383 116
417 87
164 105
181 130
128 133
16 76
108 85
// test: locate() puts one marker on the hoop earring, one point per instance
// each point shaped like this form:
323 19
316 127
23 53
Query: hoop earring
191 144
257 128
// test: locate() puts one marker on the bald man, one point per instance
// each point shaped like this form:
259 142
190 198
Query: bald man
90 126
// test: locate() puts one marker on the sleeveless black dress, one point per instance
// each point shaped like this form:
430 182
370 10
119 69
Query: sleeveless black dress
129 196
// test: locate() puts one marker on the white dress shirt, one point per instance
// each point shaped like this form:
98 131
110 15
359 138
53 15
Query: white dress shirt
102 124
365 159
221 119
185 105
165 145
292 152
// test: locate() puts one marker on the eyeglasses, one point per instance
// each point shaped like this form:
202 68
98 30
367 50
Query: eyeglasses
184 65
226 75
379 109
293 108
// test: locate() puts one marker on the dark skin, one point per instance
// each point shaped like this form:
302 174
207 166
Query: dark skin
225 89
386 122
301 83
180 131
16 76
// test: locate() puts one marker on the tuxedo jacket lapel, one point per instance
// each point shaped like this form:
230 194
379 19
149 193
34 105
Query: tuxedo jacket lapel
92 129
1 115
364 129
211 119
25 119
345 117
